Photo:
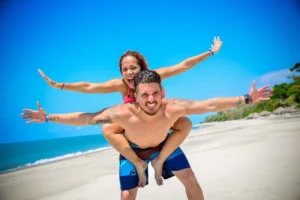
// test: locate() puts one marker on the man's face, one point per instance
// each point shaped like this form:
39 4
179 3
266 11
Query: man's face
148 96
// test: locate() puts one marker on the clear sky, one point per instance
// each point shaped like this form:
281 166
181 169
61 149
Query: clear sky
74 41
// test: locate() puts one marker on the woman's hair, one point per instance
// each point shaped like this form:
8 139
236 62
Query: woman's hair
141 60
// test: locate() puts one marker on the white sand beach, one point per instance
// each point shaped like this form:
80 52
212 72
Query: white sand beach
244 160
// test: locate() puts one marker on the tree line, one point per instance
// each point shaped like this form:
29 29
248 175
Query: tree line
284 95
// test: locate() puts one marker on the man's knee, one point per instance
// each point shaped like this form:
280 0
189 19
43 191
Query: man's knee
128 194
190 182
189 178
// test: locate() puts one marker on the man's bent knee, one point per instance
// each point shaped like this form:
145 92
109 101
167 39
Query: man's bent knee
187 177
191 178
129 194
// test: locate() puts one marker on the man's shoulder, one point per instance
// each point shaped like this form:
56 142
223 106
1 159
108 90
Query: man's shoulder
121 110
177 103
178 106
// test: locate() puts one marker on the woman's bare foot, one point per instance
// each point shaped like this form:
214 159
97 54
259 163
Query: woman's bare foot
157 166
140 168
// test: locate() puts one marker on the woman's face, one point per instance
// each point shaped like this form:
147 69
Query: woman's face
129 68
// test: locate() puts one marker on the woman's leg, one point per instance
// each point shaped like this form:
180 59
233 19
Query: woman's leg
181 129
113 134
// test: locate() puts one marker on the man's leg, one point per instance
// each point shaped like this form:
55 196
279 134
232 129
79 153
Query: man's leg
113 134
181 129
129 178
192 187
129 194
178 165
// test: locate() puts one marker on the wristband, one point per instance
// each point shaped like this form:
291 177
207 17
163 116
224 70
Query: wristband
211 51
47 118
248 99
62 87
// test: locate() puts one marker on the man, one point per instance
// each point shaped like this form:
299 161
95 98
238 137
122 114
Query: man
147 122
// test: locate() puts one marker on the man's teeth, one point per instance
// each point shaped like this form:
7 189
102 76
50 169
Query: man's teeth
151 104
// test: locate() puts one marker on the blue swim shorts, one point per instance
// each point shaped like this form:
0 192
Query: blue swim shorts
127 173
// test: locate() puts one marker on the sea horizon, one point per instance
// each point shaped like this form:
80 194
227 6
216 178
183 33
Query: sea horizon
20 155
25 154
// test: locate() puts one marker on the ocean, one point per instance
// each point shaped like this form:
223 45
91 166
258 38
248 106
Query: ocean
20 155
14 156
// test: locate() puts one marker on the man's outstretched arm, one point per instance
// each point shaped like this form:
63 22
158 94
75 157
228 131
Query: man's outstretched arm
187 107
107 115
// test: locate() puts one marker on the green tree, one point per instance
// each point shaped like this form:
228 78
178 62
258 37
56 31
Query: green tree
285 94
296 67
280 91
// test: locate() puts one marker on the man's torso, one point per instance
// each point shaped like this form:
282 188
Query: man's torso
147 131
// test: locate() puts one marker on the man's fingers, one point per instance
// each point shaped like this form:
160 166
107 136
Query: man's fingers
29 122
253 84
26 118
38 105
26 114
267 95
269 90
262 99
266 92
265 87
26 110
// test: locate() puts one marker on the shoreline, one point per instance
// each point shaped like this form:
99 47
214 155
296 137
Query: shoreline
32 165
271 117
85 153
240 159
196 128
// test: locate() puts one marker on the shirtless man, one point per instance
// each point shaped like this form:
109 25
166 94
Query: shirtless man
147 122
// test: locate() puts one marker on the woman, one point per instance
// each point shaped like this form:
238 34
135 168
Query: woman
130 64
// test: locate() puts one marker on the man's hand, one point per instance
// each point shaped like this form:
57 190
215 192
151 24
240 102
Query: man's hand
217 44
38 116
49 81
261 94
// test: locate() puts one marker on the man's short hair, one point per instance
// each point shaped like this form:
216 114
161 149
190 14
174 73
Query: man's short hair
146 76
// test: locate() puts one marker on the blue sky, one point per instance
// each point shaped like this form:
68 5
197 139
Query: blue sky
74 41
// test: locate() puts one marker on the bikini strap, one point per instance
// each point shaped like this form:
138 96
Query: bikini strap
128 91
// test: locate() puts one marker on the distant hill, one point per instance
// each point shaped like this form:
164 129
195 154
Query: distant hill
284 95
